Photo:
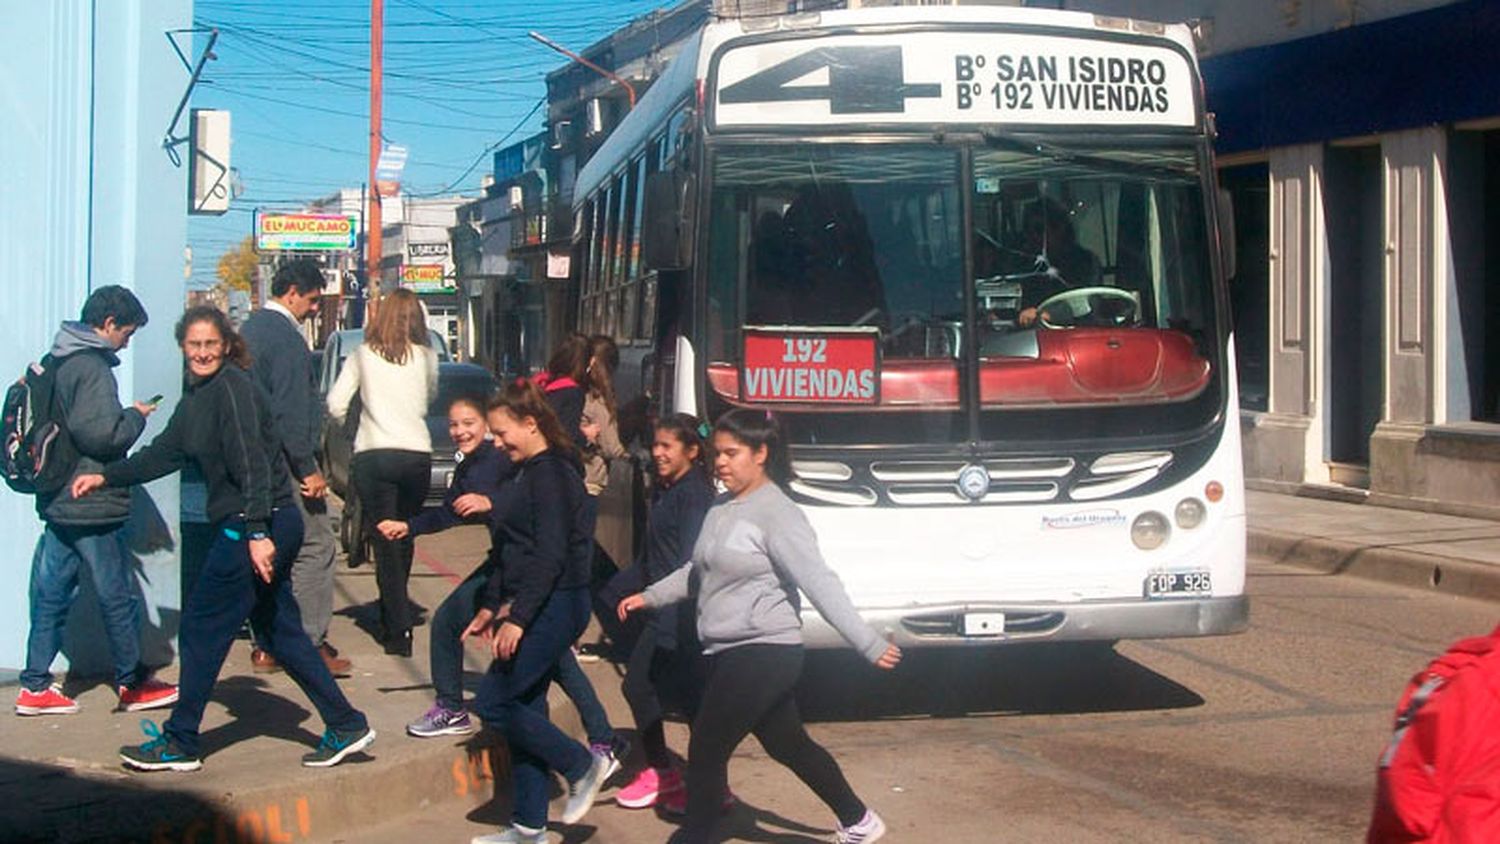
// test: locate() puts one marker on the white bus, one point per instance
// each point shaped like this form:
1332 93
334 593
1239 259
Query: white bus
970 258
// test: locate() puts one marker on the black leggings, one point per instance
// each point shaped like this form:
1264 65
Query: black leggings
391 485
751 689
656 675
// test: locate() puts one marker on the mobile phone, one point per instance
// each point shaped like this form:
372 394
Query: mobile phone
155 400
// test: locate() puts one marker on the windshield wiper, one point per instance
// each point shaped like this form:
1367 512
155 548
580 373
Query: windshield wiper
1031 146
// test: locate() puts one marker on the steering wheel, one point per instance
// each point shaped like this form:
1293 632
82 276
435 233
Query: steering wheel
1079 301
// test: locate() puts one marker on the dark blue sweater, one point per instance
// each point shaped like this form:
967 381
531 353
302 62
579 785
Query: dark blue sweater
482 472
672 527
538 535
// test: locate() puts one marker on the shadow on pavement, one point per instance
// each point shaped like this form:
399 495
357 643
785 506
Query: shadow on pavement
50 803
1039 679
257 711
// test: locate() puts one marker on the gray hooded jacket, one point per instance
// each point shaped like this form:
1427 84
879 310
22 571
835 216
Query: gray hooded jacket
101 429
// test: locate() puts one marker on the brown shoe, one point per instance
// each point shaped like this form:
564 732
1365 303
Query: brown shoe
337 666
263 663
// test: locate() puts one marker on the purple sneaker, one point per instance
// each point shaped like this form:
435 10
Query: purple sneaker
611 753
441 721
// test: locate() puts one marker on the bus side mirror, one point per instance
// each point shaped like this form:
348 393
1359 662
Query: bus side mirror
667 236
1228 249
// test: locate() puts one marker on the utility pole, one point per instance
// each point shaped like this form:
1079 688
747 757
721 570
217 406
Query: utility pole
372 219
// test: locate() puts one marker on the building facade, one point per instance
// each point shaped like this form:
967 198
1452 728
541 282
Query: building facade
91 198
1361 145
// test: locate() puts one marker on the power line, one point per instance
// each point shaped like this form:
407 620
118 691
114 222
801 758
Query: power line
487 150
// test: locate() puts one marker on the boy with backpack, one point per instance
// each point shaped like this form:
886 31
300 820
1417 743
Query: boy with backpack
92 429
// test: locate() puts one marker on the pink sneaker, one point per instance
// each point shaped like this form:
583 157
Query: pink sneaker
49 701
647 787
150 693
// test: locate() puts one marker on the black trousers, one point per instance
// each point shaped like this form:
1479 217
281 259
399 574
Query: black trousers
751 689
391 485
656 677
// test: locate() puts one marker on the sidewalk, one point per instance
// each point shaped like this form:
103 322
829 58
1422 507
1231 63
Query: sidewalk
1452 555
60 779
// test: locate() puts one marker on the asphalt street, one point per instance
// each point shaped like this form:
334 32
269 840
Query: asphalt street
1270 735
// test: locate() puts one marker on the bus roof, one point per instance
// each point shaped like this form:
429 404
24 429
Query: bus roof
679 83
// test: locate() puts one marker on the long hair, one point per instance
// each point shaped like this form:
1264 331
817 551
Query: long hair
235 350
522 399
756 428
604 359
398 325
570 360
686 428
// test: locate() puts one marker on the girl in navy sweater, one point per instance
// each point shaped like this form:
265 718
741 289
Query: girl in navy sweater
477 480
542 582
666 660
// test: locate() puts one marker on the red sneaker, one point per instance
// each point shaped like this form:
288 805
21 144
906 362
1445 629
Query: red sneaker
147 694
675 802
49 701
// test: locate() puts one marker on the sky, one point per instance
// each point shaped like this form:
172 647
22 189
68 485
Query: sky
461 79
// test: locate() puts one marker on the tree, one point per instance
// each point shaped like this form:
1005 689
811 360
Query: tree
239 265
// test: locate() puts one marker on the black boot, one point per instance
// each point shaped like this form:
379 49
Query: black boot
399 644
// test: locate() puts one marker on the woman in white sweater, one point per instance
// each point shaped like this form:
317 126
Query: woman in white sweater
394 373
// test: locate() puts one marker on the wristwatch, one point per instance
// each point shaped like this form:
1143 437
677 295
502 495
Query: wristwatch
258 534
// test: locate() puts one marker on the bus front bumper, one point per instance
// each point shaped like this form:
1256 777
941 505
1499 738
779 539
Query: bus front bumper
973 625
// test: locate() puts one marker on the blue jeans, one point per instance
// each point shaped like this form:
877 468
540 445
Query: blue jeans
62 552
446 657
575 684
513 699
228 592
445 649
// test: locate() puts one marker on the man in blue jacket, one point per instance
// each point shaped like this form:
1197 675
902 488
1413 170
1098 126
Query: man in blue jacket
281 364
89 532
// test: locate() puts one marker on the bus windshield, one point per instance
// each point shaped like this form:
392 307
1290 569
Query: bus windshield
1091 278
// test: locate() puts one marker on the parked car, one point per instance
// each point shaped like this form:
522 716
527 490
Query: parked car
454 379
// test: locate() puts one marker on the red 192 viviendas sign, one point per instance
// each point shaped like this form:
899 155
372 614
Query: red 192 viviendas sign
811 367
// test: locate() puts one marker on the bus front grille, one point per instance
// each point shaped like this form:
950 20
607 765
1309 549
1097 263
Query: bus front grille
929 483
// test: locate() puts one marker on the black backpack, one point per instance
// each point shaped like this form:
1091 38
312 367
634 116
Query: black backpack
39 454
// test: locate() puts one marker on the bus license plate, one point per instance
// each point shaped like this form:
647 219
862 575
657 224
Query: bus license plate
984 623
1174 584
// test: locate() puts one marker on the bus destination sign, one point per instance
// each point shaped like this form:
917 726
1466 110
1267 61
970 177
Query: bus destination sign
953 77
808 366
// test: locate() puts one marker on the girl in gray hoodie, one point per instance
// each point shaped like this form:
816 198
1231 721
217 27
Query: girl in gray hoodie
755 551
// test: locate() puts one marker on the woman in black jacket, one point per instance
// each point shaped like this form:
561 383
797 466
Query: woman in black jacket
223 427
542 586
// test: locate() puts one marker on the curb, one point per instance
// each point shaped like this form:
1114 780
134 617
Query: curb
402 776
1383 563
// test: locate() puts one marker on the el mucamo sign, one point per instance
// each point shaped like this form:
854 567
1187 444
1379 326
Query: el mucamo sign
810 366
423 278
954 77
304 232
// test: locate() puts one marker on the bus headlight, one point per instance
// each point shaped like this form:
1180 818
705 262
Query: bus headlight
1190 513
1150 530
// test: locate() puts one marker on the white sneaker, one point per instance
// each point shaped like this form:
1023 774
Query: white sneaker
516 834
870 828
581 794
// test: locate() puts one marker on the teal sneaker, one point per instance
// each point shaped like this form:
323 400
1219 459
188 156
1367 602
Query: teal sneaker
337 744
158 754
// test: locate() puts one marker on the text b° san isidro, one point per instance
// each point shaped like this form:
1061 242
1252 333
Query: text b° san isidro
1076 83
